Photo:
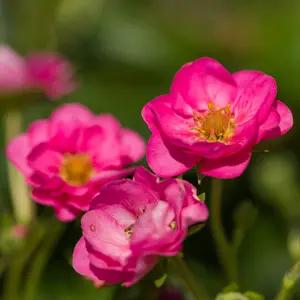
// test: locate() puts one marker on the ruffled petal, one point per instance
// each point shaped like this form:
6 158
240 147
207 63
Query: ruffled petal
226 167
202 81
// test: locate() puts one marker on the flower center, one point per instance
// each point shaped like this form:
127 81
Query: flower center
215 125
76 169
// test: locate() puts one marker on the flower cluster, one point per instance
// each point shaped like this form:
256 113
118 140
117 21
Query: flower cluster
132 222
47 71
76 161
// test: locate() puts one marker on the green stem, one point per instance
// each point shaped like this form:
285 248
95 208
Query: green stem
225 252
23 206
188 278
289 282
12 281
41 259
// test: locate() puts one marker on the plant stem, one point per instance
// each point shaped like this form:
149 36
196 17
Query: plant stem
23 206
41 259
12 280
188 278
288 282
225 251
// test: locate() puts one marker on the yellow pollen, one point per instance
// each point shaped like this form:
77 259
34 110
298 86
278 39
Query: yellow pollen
128 231
76 169
215 125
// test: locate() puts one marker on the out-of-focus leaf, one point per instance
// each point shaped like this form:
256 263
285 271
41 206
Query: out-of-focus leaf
160 282
202 197
253 295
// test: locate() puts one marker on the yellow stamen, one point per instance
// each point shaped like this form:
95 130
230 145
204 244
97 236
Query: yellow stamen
215 125
76 169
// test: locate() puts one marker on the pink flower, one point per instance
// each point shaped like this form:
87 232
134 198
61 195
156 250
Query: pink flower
19 231
132 222
47 71
69 156
213 118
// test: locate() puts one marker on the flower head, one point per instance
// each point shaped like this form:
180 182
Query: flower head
67 157
132 222
213 118
49 72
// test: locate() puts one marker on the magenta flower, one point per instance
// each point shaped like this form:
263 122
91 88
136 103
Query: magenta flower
47 71
212 118
69 156
132 222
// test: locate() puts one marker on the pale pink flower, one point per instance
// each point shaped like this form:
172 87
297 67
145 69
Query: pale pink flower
19 231
47 71
67 157
132 222
213 118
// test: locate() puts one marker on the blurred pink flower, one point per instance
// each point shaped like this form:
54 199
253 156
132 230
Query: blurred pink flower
47 71
132 222
213 118
19 231
69 156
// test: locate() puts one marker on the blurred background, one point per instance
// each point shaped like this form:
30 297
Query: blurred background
125 53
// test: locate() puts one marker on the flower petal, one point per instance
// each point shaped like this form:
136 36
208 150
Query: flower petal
105 235
283 125
44 159
66 214
147 112
202 81
131 195
226 167
17 151
132 146
163 162
13 73
38 132
80 260
256 94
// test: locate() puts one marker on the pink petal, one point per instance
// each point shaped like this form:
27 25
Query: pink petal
103 148
270 125
17 151
44 159
52 73
105 235
147 112
256 94
285 123
103 177
13 74
152 232
226 167
194 213
66 214
44 197
146 178
38 132
131 195
163 163
113 276
108 123
70 114
144 266
122 215
132 145
202 81
81 262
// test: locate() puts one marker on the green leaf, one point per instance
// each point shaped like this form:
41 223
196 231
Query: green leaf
202 197
253 295
195 228
232 287
159 282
